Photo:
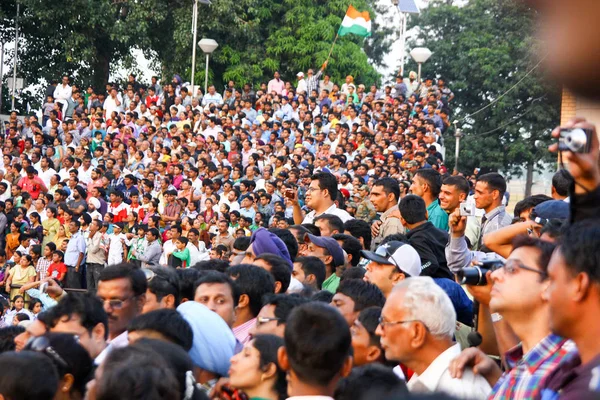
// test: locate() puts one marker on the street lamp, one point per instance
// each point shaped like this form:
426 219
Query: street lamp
420 55
195 33
207 46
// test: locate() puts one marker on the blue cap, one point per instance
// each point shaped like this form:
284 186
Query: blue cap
552 209
329 243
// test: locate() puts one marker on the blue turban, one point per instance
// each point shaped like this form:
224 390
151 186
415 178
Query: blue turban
263 241
214 342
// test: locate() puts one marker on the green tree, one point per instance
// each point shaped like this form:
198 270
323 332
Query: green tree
483 48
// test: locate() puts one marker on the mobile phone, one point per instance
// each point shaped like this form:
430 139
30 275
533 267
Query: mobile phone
289 193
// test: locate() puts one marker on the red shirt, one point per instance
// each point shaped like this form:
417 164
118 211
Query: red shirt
33 186
57 271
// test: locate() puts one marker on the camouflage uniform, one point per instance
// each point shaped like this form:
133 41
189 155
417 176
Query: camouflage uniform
366 211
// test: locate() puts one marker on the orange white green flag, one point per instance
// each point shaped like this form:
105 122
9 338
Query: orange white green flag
356 22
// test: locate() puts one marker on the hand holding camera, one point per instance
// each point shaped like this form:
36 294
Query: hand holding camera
578 144
458 223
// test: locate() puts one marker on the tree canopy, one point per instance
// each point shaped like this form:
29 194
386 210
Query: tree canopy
87 39
484 48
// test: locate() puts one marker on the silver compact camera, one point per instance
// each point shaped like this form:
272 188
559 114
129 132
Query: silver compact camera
467 210
576 140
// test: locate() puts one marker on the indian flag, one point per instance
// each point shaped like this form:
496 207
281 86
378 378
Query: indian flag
356 22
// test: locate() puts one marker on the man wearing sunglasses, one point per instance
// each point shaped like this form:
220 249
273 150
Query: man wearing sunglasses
122 289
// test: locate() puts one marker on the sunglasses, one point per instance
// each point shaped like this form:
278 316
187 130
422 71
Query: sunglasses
41 344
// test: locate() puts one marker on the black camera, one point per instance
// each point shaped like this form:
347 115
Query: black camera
576 140
475 275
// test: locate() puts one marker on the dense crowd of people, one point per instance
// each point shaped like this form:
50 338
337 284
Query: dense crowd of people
301 240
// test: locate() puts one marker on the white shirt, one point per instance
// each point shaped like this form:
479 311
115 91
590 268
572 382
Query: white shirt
301 86
436 378
46 175
63 93
333 210
120 341
168 247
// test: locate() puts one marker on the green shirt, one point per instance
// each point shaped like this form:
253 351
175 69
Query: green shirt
183 255
437 216
331 284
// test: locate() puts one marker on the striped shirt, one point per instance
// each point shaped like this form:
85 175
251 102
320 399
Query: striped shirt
42 267
242 332
523 380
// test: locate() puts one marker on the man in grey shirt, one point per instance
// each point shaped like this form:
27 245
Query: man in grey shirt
489 190
152 252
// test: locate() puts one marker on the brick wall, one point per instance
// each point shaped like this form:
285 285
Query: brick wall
568 107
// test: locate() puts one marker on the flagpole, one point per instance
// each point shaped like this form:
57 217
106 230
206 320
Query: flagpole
333 44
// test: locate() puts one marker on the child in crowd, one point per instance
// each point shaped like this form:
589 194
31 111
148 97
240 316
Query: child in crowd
180 258
57 269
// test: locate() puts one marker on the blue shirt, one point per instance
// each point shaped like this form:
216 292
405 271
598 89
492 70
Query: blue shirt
461 302
75 246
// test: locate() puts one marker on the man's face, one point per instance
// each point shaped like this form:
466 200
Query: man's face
484 197
418 186
395 338
152 303
345 306
361 344
266 324
521 290
450 197
325 228
379 199
381 275
218 298
93 341
563 287
126 306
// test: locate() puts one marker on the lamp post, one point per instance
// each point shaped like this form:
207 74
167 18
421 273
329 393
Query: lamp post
458 135
420 55
195 33
207 46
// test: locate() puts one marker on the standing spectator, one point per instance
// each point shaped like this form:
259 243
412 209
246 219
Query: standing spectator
96 255
75 255
385 195
427 184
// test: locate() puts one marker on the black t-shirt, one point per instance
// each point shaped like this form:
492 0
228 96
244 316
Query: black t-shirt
573 381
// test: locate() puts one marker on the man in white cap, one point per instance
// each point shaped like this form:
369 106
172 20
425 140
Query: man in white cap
301 83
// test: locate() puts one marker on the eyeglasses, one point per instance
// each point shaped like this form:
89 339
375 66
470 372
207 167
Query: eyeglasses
385 324
263 320
311 189
115 304
512 266
41 344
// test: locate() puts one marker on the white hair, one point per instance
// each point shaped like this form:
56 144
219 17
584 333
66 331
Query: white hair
425 301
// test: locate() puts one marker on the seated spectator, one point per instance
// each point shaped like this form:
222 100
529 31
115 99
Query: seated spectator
372 381
20 370
162 324
353 296
274 314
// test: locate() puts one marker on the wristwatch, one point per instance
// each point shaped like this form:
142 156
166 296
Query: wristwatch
496 317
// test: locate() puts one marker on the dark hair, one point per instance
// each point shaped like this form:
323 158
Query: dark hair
459 182
242 243
168 323
369 318
371 381
495 181
579 248
312 265
288 239
335 223
351 246
433 179
389 185
165 282
545 248
87 307
79 363
561 182
359 229
530 202
323 296
187 277
254 282
137 373
32 302
284 304
7 337
268 346
212 265
353 273
413 209
280 269
20 370
219 277
363 294
129 271
555 228
327 181
317 342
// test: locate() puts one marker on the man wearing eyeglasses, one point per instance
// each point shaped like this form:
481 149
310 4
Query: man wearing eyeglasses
416 327
122 289
518 300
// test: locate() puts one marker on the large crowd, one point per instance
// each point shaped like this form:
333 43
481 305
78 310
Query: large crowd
294 240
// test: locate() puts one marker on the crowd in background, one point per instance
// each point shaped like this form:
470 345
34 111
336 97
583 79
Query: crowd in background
284 241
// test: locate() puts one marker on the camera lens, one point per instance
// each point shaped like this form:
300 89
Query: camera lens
474 276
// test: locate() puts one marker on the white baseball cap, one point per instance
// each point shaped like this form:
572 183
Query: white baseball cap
397 253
